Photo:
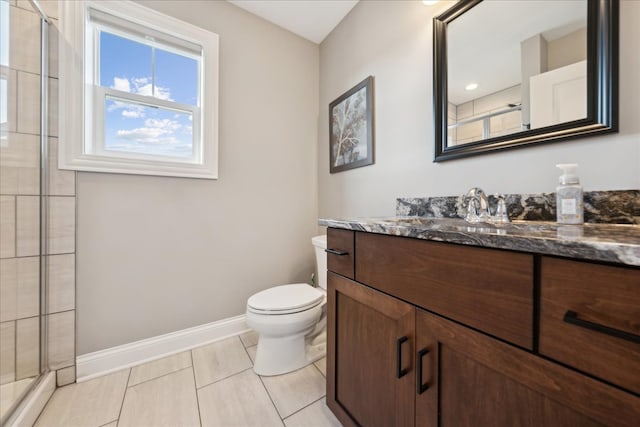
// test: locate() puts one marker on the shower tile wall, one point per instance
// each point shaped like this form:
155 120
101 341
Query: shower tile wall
19 211
503 124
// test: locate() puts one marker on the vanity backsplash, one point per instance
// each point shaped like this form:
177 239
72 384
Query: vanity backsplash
606 207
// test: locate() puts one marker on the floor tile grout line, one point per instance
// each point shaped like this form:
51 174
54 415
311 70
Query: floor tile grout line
222 379
242 341
305 407
193 371
247 351
319 370
158 377
124 395
271 399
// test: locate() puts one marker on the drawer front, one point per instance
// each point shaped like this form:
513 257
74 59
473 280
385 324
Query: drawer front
340 251
487 289
589 296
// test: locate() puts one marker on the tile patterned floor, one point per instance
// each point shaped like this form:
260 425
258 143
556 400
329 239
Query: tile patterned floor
213 385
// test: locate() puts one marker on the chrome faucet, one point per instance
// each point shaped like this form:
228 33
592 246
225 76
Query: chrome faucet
478 208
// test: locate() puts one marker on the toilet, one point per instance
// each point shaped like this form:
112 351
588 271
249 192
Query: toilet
290 321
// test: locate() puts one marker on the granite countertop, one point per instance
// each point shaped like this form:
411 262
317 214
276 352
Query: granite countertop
616 243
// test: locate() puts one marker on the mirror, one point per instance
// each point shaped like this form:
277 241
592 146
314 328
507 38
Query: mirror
513 73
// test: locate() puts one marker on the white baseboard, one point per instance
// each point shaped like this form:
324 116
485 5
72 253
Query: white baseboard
113 359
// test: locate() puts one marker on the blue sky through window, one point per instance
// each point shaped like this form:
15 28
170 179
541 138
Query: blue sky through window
126 65
153 131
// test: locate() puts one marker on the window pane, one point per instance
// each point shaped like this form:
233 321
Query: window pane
125 64
137 128
176 75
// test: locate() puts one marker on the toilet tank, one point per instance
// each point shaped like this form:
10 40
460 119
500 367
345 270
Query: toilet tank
320 244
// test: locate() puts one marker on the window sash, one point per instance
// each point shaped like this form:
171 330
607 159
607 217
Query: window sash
97 146
94 72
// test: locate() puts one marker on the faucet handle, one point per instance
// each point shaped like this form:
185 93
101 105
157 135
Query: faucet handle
501 210
472 210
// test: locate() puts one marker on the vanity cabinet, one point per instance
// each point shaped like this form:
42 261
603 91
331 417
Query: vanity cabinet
405 347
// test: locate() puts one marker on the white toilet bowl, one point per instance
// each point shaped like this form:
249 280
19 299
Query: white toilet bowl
290 321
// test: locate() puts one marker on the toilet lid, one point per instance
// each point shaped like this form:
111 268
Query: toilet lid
285 299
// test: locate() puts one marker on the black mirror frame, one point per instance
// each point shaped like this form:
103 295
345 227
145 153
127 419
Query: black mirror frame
602 86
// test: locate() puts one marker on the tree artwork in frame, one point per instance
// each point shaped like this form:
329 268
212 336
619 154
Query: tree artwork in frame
351 128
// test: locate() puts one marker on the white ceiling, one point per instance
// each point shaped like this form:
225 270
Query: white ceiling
311 19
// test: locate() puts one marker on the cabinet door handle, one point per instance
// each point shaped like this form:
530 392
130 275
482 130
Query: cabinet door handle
421 387
399 371
572 317
336 252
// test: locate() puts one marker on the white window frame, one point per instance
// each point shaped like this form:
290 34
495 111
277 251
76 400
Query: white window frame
81 142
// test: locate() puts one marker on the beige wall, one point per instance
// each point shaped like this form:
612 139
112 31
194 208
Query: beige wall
158 254
567 50
392 41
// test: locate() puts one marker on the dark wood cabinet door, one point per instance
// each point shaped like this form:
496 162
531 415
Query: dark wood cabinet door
370 348
475 380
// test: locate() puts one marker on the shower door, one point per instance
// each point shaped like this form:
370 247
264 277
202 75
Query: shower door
22 200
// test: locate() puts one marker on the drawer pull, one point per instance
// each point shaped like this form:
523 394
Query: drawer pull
572 317
422 387
336 252
399 371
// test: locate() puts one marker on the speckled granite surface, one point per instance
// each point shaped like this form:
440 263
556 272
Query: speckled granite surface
607 207
596 242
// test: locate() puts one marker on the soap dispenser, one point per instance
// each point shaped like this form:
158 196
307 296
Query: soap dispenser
569 199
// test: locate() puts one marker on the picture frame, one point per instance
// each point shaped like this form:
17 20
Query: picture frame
351 128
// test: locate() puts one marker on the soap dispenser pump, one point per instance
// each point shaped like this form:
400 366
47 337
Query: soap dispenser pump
569 198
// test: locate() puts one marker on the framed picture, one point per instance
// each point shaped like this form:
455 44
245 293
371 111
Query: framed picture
351 128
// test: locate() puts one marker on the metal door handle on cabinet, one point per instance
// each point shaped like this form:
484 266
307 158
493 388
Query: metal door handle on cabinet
572 317
400 372
421 387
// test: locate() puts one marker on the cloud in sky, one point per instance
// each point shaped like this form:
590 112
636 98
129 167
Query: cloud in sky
140 86
155 131
121 84
133 113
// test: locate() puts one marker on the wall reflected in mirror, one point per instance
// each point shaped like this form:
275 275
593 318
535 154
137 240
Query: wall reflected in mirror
515 66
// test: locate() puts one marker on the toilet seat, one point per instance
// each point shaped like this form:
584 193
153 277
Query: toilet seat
285 299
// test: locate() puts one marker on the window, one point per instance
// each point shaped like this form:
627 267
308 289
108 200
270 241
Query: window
146 87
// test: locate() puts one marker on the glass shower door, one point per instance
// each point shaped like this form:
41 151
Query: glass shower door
22 201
